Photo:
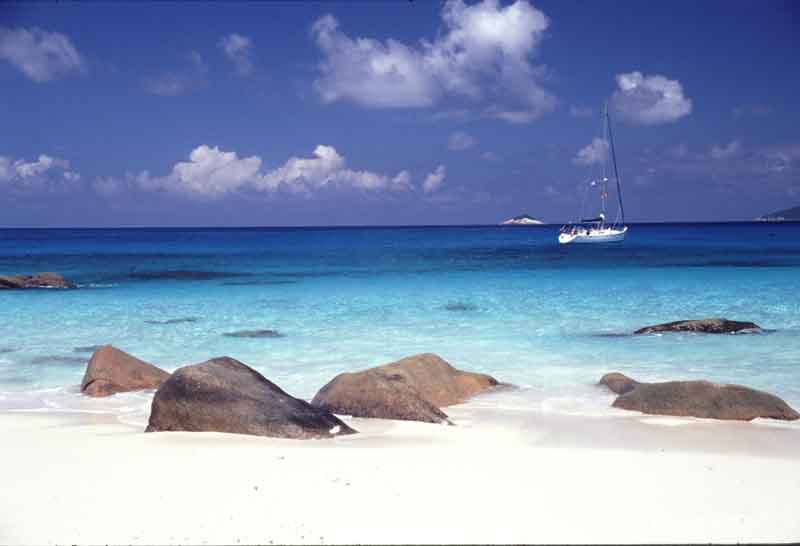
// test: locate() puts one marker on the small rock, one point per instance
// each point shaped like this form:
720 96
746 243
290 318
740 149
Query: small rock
618 383
111 371
39 280
413 389
700 399
706 326
254 334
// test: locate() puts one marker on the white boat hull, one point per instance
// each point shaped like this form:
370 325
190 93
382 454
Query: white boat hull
604 235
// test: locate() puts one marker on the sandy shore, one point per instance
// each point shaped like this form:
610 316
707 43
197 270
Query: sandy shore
495 477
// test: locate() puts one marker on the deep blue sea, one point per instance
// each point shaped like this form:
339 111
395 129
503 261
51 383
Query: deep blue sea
503 300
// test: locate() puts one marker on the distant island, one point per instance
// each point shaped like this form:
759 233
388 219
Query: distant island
785 215
522 220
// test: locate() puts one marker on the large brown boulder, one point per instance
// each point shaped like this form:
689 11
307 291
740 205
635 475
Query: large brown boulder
706 326
111 371
704 399
39 280
225 395
413 389
618 383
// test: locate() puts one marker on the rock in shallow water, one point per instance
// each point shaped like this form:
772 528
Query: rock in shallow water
39 280
413 389
86 349
111 371
173 320
460 306
182 275
225 395
707 326
698 399
58 359
254 333
618 383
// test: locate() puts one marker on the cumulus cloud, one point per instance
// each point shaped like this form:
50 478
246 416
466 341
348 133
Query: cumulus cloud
460 141
650 100
211 173
726 152
20 170
42 56
238 50
434 180
179 81
483 53
593 153
328 167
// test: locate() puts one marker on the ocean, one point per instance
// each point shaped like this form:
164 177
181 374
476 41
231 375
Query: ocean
508 301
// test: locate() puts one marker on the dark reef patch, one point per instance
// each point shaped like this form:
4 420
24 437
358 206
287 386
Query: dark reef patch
254 334
86 349
182 275
58 359
173 320
459 306
258 283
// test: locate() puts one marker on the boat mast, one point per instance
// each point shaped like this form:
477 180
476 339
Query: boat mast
604 173
614 160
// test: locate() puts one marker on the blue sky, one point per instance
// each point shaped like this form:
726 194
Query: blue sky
347 113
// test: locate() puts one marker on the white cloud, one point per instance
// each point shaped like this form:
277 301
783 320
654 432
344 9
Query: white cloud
483 52
595 152
402 181
460 141
726 152
650 100
107 185
42 56
490 156
211 173
434 179
328 167
238 48
19 170
180 81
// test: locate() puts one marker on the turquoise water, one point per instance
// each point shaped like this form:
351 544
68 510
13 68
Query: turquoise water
503 300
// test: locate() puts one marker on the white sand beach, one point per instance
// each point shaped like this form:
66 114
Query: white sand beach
492 478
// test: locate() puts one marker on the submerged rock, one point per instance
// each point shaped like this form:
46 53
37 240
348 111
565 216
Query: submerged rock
707 326
225 395
111 371
254 333
173 320
58 359
39 280
86 349
413 389
698 399
183 275
258 283
460 306
618 383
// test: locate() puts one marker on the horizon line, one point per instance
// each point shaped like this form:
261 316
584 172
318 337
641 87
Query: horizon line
390 226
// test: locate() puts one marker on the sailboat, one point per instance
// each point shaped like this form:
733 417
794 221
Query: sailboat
597 229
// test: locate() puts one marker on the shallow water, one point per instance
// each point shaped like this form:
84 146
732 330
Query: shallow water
503 300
